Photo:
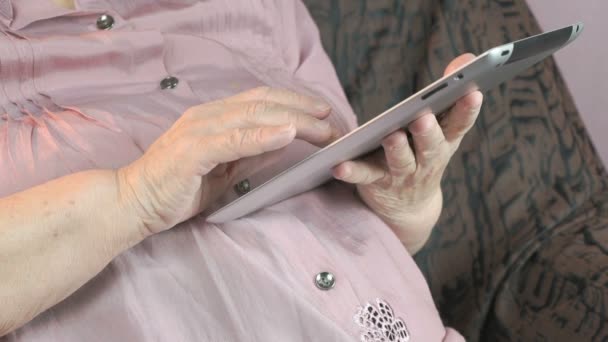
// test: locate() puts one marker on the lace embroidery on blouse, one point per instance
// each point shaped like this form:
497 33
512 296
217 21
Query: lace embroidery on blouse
379 324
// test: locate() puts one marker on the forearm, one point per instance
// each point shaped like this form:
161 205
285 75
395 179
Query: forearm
57 236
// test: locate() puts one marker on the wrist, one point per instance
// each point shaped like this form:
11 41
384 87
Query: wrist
414 226
130 208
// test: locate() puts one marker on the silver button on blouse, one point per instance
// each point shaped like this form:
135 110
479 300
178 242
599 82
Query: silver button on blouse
325 280
169 82
242 187
105 22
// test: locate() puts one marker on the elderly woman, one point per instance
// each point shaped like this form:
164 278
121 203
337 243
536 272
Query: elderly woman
122 121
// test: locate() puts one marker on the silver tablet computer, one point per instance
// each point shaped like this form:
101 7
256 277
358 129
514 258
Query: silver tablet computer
484 72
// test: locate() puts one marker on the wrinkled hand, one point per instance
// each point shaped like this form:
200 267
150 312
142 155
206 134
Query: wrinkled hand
213 145
401 182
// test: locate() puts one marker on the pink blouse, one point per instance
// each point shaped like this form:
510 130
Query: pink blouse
93 87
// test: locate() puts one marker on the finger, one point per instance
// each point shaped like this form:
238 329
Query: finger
360 171
262 113
308 127
399 156
461 117
458 62
429 141
241 143
315 106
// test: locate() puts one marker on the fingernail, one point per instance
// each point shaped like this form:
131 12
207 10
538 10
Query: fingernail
283 134
322 106
346 172
288 130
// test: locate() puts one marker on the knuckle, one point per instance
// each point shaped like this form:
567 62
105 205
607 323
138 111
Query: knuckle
404 166
245 139
356 176
251 110
237 138
229 145
257 109
366 177
430 154
400 157
435 150
256 136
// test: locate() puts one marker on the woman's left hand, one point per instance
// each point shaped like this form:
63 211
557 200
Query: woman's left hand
401 182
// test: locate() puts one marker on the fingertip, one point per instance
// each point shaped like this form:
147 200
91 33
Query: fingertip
458 62
467 56
342 171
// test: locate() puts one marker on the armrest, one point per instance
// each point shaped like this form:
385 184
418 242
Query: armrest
558 291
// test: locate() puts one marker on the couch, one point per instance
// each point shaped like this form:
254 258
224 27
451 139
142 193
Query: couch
520 252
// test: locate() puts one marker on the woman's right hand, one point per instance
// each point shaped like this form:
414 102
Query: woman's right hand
201 155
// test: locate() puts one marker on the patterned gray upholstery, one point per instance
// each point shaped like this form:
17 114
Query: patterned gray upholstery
521 250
